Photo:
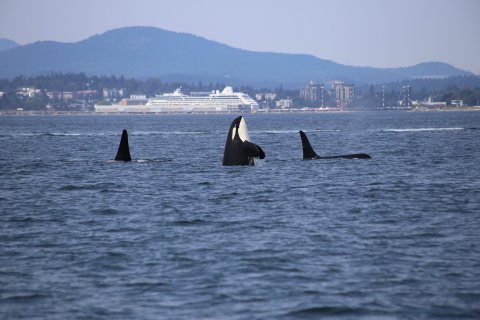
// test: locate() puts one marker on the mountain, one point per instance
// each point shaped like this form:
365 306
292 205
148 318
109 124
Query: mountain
143 52
430 70
6 44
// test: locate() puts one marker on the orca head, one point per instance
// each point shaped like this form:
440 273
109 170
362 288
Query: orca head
238 148
239 128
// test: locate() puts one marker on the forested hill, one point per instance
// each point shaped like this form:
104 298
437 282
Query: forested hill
145 52
6 44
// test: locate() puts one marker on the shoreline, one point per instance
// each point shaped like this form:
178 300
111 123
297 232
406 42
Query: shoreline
281 111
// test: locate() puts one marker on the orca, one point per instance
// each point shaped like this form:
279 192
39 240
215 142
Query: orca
239 151
309 153
123 153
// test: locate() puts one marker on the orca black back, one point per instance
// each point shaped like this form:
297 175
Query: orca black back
310 154
123 153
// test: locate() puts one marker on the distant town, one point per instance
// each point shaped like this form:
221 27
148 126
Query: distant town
78 93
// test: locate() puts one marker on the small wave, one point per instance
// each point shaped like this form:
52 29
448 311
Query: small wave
326 311
274 131
189 222
140 161
60 134
325 130
152 133
151 160
290 131
259 162
106 211
308 186
29 134
21 219
146 284
422 129
24 297
226 196
97 186
73 187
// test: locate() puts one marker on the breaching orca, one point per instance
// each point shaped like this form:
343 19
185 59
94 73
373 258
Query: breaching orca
123 153
309 154
239 151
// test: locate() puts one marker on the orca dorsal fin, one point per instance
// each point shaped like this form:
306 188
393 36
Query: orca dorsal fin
308 152
123 153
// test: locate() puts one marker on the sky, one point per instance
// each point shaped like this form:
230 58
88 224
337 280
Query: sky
376 33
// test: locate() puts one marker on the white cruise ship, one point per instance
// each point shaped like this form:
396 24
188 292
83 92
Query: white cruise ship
177 102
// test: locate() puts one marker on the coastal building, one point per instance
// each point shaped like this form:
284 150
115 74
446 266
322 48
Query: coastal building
284 103
178 102
344 93
138 97
60 95
406 93
457 103
266 96
67 95
112 94
28 92
70 95
433 104
134 100
311 92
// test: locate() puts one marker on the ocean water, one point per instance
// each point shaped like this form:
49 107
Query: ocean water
175 235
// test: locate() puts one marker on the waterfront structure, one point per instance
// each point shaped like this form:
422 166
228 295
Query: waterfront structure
406 92
177 102
383 97
311 92
322 98
134 100
112 93
344 93
266 96
284 103
433 104
28 92
70 95
457 103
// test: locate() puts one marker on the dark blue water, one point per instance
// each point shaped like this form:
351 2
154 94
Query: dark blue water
175 235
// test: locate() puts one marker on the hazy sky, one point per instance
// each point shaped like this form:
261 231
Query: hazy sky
378 33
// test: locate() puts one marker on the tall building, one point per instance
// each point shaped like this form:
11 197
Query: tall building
322 96
383 97
406 92
311 92
344 93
